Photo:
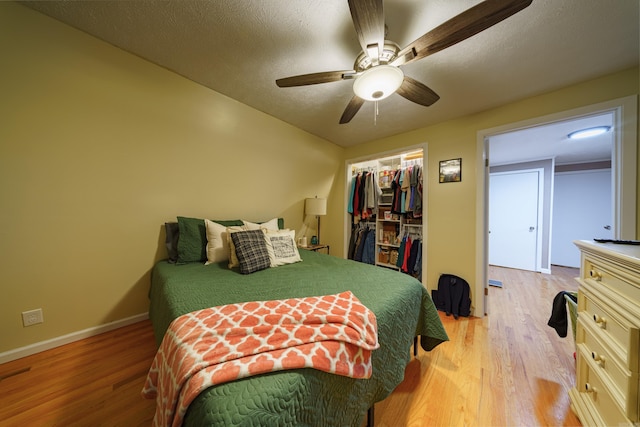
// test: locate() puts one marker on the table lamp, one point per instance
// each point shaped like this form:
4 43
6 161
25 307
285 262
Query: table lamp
317 207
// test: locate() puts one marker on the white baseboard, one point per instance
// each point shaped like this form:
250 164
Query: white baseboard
28 350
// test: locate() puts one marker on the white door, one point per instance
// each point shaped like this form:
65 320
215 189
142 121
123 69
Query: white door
581 210
513 219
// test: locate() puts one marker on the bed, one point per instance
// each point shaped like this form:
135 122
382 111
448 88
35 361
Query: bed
300 397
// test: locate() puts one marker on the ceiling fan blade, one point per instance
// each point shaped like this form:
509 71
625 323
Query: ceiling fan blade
417 92
315 78
461 27
352 108
368 20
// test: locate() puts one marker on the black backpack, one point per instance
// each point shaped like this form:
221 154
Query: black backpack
452 296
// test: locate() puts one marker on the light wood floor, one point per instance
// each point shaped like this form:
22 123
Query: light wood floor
507 369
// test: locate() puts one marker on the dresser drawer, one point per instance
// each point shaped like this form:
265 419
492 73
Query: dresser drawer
595 393
619 334
622 383
619 280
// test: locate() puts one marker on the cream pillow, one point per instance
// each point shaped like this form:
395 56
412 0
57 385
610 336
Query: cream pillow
232 257
217 242
281 246
272 224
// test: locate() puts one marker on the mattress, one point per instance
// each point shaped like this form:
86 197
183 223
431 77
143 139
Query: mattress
300 397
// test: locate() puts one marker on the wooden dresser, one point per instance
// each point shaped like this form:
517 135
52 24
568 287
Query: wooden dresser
607 336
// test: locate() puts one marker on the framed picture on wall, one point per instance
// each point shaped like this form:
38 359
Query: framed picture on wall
451 170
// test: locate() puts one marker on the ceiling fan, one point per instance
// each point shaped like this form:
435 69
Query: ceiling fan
377 72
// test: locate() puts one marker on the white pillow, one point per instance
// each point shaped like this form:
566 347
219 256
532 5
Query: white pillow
217 242
272 224
281 246
232 257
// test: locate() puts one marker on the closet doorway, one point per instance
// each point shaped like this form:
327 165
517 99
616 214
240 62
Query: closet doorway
397 222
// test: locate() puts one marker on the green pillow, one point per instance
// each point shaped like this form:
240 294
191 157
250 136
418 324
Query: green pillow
192 242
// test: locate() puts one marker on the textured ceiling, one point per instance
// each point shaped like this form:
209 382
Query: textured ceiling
240 47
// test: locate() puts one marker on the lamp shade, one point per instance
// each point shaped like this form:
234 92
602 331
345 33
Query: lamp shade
315 206
378 82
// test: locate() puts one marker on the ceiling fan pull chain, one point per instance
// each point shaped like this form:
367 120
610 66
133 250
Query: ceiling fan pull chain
375 113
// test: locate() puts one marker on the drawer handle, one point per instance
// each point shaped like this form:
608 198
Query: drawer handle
595 275
589 388
598 358
600 321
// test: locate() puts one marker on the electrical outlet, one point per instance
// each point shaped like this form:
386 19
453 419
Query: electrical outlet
32 317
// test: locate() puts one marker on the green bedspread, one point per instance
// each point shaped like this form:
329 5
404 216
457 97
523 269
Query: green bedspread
402 306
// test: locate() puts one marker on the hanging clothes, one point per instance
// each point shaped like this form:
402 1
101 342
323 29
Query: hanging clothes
407 251
406 189
374 193
417 208
415 174
410 253
353 241
365 189
369 249
363 181
396 186
360 244
403 190
352 191
401 250
417 268
413 255
356 198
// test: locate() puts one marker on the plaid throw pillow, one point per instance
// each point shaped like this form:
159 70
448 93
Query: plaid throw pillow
251 250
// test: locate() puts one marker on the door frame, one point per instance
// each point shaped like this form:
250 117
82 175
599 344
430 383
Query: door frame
539 213
623 169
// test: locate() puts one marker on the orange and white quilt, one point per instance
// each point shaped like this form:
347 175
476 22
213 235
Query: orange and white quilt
331 333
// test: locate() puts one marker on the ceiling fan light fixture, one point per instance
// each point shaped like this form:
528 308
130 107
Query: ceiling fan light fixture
378 82
589 132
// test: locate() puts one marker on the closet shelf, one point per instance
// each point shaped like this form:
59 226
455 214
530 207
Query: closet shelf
388 245
381 264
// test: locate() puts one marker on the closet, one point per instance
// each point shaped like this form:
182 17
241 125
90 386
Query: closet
385 212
